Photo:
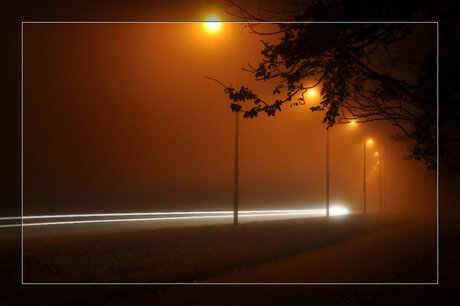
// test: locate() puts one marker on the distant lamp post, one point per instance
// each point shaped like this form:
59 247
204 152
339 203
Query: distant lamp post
380 184
369 141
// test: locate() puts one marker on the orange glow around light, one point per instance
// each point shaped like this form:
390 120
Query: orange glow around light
353 122
376 153
311 92
212 25
370 141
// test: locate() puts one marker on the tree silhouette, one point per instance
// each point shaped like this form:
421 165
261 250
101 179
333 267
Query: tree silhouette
366 71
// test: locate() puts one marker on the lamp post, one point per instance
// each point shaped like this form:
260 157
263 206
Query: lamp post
311 92
364 176
235 190
380 184
237 153
379 162
370 141
327 172
213 25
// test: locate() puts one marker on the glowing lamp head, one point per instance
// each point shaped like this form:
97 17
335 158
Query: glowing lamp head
370 141
212 24
353 122
311 92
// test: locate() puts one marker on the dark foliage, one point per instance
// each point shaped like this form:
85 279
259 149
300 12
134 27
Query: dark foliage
366 71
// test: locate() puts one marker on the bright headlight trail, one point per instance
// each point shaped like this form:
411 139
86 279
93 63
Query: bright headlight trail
338 211
181 215
165 213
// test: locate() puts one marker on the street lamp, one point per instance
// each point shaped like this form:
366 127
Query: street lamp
237 153
380 184
379 163
369 141
235 191
311 93
213 25
327 172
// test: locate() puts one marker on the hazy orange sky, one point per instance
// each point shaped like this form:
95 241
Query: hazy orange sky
120 117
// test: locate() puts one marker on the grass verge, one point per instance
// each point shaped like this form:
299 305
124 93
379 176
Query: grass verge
184 254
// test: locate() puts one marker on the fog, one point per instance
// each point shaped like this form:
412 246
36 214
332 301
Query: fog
119 117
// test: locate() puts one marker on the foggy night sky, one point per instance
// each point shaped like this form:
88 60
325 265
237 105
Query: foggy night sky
119 117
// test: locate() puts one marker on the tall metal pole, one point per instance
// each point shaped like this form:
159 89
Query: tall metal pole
235 190
235 194
327 172
364 189
380 184
384 191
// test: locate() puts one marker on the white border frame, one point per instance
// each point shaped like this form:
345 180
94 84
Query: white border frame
201 284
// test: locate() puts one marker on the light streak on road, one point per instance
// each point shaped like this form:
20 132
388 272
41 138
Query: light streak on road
161 219
10 218
162 213
168 216
190 215
339 211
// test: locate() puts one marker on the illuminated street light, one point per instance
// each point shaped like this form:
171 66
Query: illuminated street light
370 142
327 170
365 142
237 154
213 24
311 92
237 158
